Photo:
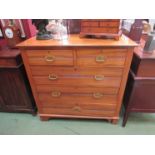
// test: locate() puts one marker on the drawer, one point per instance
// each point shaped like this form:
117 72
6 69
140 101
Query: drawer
99 30
46 70
69 89
50 57
77 100
109 24
98 78
90 24
113 30
79 112
103 20
10 62
101 57
70 96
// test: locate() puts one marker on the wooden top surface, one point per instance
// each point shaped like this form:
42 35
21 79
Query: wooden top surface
141 53
5 52
75 41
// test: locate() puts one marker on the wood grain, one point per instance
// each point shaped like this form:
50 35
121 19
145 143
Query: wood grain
74 41
71 87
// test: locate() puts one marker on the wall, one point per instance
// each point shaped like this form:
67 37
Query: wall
2 41
30 29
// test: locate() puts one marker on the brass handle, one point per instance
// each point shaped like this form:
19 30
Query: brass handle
56 93
52 77
49 58
97 95
99 77
76 108
100 58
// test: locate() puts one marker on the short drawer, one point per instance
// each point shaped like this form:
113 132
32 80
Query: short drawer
98 78
90 24
50 57
101 57
110 24
99 30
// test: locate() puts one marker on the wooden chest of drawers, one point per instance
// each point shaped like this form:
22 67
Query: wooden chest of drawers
78 77
100 27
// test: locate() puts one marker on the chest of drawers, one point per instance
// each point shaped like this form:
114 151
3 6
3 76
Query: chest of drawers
78 77
100 27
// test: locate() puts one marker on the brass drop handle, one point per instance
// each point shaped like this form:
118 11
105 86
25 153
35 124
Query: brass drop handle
76 108
49 58
100 58
97 95
52 77
56 93
99 77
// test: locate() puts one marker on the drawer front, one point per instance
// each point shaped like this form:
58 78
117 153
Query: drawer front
70 96
50 57
66 71
100 24
99 20
79 112
101 58
66 99
96 78
109 24
8 63
90 24
78 90
81 81
99 30
77 100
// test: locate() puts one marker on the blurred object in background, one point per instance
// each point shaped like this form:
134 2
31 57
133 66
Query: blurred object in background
73 26
146 27
136 30
58 29
43 33
126 24
1 33
150 43
12 34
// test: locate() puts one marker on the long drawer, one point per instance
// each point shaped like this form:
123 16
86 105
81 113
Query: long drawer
46 70
101 57
79 112
50 57
55 96
82 77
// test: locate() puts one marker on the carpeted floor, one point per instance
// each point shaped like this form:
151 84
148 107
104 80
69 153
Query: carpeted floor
23 124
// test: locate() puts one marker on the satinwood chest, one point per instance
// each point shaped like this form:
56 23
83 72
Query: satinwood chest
78 77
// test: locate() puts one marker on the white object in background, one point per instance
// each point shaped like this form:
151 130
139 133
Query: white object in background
1 34
152 22
127 24
3 23
23 35
9 33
